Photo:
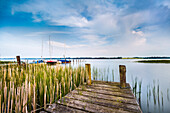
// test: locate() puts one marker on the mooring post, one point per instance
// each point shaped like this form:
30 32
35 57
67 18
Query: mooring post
88 69
122 70
18 60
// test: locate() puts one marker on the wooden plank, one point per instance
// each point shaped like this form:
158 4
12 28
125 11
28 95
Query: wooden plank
106 103
101 91
126 91
105 82
109 83
89 106
106 85
105 97
57 108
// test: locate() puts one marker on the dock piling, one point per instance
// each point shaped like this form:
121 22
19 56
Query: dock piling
122 70
88 68
18 60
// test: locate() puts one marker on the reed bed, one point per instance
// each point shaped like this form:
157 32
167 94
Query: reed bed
26 89
156 97
103 74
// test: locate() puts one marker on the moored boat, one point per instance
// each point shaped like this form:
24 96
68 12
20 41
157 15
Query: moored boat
65 61
50 62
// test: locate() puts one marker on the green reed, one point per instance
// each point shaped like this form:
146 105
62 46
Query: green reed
168 94
112 75
154 93
36 85
102 74
137 89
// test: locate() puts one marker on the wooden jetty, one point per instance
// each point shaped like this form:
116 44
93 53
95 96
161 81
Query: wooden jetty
98 97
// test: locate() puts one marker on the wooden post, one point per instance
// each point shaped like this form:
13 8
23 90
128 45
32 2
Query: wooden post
18 60
88 68
122 70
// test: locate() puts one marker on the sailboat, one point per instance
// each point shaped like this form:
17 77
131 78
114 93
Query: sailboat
41 60
50 62
64 61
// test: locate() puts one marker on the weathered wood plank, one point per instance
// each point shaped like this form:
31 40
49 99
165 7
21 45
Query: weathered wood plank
108 92
105 97
106 103
109 83
126 91
105 82
89 106
58 108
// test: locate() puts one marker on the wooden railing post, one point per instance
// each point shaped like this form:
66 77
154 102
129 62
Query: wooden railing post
18 60
122 70
88 69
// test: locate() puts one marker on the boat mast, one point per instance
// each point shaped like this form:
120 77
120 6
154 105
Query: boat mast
49 47
65 52
42 50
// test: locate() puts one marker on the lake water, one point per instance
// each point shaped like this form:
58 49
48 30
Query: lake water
155 95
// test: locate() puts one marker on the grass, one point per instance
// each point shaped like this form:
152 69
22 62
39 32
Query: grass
154 61
36 86
6 62
155 95
102 74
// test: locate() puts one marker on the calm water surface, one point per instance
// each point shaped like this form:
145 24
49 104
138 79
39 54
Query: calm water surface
155 94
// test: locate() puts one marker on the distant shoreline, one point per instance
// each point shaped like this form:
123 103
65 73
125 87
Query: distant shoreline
88 58
154 61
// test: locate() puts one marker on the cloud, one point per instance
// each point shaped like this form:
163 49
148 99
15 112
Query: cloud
63 45
94 40
105 24
33 34
139 33
54 12
166 3
139 41
96 26
71 21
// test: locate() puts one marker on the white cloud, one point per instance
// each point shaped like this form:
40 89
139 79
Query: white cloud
140 33
46 33
71 21
55 12
58 44
166 3
90 38
139 41
104 24
94 40
63 45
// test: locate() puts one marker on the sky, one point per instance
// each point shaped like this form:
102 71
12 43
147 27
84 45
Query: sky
78 28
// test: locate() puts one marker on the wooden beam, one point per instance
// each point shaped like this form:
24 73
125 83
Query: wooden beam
122 70
18 60
88 69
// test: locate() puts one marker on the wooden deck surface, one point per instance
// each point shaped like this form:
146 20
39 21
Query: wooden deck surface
100 97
